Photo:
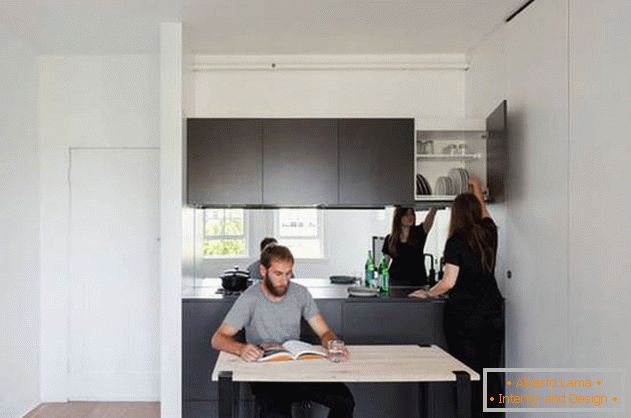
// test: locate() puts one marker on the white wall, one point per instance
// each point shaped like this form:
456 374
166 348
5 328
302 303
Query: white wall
600 152
329 93
19 227
485 81
85 101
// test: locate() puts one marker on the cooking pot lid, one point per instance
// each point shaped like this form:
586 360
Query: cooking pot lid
236 272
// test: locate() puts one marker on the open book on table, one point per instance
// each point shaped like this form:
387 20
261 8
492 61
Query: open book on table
293 350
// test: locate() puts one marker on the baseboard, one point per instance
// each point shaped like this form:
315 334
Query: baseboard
32 408
115 387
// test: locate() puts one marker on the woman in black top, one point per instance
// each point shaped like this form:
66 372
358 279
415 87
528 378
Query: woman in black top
474 324
404 245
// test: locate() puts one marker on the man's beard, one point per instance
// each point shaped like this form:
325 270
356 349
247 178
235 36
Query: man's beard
276 291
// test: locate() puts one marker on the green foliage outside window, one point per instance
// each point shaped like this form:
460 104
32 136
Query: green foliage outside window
228 226
224 233
224 247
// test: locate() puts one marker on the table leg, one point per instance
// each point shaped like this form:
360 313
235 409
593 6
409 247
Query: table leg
226 395
463 394
236 410
424 408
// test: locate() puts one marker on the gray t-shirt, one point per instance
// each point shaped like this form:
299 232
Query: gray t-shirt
271 322
254 269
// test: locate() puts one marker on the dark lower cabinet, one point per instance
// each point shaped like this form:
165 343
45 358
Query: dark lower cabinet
391 323
200 409
396 322
210 409
376 161
358 321
200 319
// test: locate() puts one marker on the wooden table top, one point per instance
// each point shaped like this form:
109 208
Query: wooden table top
368 363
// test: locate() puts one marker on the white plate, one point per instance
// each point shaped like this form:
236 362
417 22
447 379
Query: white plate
439 189
456 179
449 186
362 291
465 180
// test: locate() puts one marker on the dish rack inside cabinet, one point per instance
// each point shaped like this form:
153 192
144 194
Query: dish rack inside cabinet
442 160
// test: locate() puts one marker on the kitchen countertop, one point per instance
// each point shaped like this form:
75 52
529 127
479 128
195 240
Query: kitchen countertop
206 289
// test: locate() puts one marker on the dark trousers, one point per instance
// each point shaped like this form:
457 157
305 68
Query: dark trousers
477 340
275 399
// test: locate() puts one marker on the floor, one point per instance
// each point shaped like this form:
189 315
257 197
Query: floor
96 410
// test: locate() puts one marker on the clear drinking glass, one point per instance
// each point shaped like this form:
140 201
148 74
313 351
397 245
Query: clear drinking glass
336 350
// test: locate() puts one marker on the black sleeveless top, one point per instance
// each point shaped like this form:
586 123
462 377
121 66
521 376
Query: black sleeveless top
408 264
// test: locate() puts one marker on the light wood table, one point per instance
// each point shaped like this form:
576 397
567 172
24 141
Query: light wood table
367 364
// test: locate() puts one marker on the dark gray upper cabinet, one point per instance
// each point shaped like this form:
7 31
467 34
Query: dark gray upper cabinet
300 161
496 153
224 162
376 158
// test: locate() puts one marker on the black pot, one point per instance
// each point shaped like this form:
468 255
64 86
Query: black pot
235 279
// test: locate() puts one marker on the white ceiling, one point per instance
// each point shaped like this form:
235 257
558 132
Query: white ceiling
258 26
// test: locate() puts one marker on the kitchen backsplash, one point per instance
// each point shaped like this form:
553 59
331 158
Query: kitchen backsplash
335 240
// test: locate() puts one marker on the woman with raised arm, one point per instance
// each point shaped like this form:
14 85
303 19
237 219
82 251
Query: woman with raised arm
404 245
474 324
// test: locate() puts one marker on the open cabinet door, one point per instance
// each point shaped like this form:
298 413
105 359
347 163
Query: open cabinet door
497 161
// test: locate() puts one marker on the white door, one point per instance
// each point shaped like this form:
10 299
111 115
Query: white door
114 284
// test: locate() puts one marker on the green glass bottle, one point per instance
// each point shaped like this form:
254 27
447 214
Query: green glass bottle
369 271
385 276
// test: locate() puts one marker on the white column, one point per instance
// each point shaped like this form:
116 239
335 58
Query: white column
171 196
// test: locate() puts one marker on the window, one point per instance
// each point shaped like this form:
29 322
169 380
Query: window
301 231
225 233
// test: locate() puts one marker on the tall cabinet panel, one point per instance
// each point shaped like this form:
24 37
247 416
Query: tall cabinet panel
600 97
225 161
537 186
375 156
300 161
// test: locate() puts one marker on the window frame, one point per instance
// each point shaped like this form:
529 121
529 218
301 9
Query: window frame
245 236
320 236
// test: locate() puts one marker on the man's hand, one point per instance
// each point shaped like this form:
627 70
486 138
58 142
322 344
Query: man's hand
345 354
250 352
